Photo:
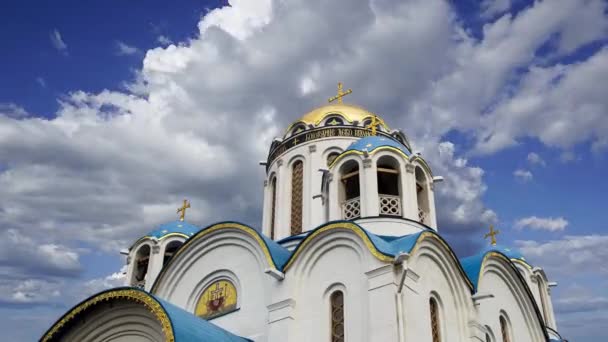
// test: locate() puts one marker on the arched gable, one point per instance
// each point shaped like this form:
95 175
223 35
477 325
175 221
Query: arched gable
496 268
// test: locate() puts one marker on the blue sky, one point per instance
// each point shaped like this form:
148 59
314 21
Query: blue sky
112 112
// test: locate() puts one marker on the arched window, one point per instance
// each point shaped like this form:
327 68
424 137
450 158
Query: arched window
350 190
297 188
435 324
331 157
170 249
422 195
140 266
388 186
218 298
337 316
273 205
504 329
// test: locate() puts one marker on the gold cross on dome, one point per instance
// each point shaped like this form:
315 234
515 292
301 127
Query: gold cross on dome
182 210
492 234
374 124
340 95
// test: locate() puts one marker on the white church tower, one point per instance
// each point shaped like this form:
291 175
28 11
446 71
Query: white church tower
341 162
349 251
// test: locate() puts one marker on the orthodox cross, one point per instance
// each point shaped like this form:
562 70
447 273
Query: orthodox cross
492 234
374 124
182 210
340 95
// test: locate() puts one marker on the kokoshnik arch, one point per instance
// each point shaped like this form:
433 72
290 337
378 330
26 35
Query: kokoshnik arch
349 250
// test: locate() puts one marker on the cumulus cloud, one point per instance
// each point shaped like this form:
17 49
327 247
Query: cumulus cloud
57 42
542 223
123 49
577 254
12 110
164 40
523 175
535 159
491 8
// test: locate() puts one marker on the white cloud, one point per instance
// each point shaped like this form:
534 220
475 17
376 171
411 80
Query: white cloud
536 159
57 42
542 223
164 40
12 110
523 175
492 8
572 255
123 49
41 81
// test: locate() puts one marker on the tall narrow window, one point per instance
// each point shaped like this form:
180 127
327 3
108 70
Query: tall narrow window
504 330
273 184
337 316
297 187
140 266
435 327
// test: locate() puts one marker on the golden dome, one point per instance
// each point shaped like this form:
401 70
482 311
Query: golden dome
350 114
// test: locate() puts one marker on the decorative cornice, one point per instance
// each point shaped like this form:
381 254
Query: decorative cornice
133 295
367 163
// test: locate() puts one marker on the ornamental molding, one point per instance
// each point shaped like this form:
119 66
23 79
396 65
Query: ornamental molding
155 249
409 168
312 148
367 163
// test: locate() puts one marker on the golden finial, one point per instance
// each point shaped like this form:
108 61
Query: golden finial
374 124
340 95
492 234
182 210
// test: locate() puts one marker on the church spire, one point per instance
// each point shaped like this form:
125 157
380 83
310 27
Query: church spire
182 210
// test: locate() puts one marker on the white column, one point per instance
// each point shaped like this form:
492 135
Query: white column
312 208
410 196
333 197
130 264
432 214
383 325
266 208
282 224
369 189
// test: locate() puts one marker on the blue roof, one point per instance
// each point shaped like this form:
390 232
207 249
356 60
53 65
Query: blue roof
472 264
279 254
188 327
176 227
373 142
184 326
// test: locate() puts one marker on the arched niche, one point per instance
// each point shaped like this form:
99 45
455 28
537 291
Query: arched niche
141 262
170 249
350 190
389 186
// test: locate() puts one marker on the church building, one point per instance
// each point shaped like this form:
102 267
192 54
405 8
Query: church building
349 251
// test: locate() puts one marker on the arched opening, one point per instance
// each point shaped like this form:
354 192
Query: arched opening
389 189
350 190
504 329
273 205
435 323
422 196
337 316
140 265
297 188
170 250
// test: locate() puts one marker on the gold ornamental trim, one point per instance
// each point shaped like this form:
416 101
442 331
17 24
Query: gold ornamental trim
129 294
206 231
340 225
499 255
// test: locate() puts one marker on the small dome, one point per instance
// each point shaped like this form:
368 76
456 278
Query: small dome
179 228
350 114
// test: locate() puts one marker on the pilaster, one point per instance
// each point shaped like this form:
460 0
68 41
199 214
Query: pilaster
369 189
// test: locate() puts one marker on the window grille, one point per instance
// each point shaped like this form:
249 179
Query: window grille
337 316
297 186
435 327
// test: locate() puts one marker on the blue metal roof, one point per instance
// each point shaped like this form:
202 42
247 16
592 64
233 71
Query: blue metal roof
472 264
372 143
188 327
182 325
279 254
172 228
